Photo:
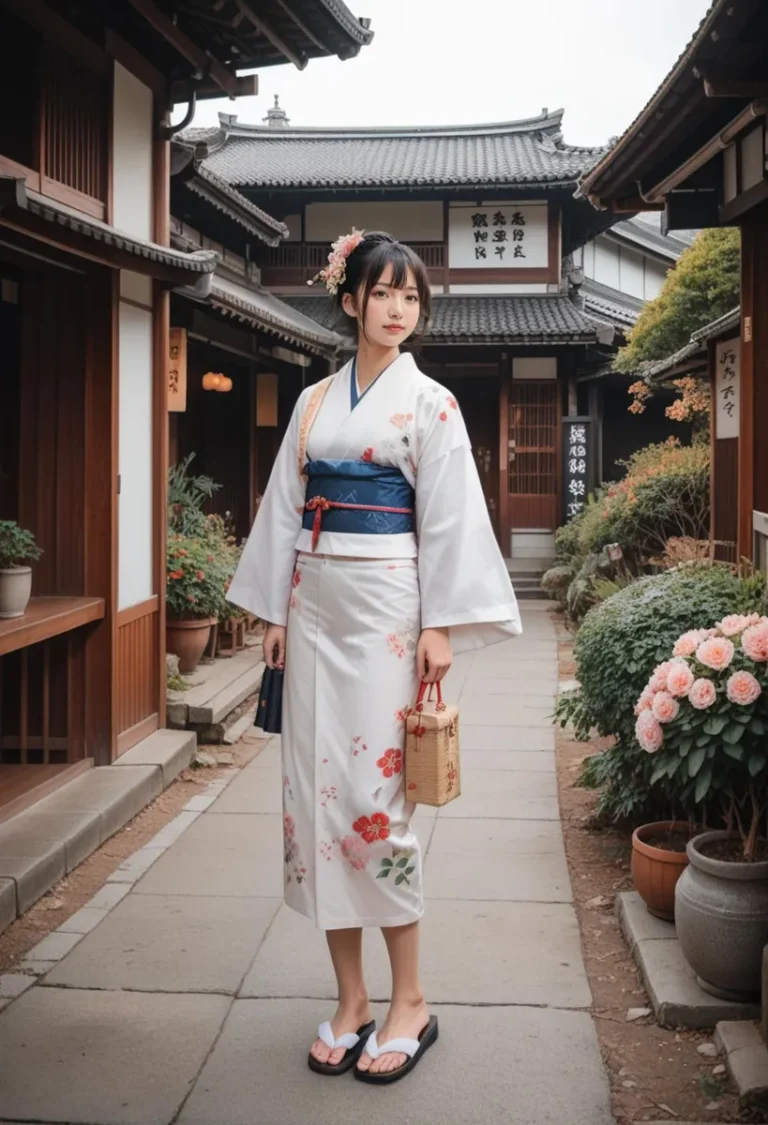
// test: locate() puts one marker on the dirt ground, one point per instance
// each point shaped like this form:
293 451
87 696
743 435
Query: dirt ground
655 1074
74 891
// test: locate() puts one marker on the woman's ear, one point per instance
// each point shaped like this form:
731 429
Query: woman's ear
349 305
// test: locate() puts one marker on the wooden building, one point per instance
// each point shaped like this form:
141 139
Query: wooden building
86 272
697 153
491 210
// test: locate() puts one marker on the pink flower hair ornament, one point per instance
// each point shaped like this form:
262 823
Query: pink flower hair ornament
334 274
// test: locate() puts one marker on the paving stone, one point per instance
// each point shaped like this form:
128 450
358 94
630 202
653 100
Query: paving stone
178 944
113 1058
169 750
514 860
512 760
506 711
269 758
540 685
229 696
36 968
549 1070
677 998
13 984
53 947
489 793
522 953
109 896
174 830
83 922
136 865
200 804
253 791
638 924
237 855
7 903
527 739
747 1060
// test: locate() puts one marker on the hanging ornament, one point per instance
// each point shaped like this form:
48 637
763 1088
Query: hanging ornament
212 381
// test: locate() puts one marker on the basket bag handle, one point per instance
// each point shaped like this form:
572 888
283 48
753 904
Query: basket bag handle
439 705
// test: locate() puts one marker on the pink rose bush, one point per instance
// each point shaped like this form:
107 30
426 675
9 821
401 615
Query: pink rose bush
704 714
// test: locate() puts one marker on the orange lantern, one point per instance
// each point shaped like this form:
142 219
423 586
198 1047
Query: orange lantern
225 384
212 381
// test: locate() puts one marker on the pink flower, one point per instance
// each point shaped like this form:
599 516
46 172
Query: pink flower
736 623
689 642
716 653
658 681
665 707
355 852
289 826
743 688
645 702
649 733
755 642
679 680
702 694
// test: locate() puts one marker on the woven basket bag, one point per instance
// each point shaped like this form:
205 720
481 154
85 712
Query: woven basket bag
432 750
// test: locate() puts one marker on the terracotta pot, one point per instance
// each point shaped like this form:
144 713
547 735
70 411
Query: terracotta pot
721 913
15 590
655 871
187 640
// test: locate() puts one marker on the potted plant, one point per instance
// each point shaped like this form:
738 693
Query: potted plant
17 547
195 591
659 857
704 714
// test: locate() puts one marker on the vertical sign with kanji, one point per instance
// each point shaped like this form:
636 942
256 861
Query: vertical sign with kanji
727 388
577 464
177 370
498 236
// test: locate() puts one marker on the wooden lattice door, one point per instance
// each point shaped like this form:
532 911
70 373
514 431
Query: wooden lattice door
533 455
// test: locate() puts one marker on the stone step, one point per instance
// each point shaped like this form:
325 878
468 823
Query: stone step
209 707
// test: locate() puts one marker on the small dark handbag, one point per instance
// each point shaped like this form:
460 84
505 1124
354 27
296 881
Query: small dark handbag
269 711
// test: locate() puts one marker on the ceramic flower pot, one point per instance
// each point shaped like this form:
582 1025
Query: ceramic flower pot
187 639
721 914
15 590
656 869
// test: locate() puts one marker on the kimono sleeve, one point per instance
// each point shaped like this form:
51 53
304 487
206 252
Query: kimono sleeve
463 578
262 581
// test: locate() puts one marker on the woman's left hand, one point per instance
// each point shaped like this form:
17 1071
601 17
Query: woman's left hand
433 655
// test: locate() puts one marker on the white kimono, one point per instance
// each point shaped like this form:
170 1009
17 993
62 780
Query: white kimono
354 609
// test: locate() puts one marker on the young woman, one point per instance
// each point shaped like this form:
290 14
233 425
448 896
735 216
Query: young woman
372 560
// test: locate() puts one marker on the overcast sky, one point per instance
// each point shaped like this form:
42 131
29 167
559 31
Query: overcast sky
489 60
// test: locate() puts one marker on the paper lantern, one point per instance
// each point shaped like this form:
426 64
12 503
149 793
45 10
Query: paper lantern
225 384
212 381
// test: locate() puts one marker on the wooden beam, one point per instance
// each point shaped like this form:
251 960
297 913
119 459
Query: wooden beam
187 48
631 204
54 29
247 87
276 40
748 88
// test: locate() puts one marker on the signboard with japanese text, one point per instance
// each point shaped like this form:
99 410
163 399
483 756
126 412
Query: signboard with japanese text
177 370
498 236
727 388
577 464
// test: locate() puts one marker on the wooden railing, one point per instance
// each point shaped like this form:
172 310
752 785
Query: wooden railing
42 697
295 263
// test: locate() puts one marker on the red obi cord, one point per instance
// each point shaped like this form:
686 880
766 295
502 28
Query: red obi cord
318 505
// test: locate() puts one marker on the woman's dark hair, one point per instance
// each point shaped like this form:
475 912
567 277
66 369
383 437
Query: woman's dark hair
367 263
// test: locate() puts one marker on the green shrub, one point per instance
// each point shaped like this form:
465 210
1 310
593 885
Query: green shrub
17 546
556 582
618 646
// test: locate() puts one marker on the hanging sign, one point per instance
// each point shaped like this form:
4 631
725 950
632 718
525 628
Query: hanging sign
727 388
577 464
498 236
177 370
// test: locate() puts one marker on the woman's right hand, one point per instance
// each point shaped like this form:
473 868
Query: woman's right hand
274 638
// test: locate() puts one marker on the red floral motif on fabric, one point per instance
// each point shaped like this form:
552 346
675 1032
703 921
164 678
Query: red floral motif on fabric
367 455
373 828
443 416
391 762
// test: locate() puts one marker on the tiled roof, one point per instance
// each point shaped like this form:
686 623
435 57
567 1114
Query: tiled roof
530 152
488 319
695 351
262 310
642 233
221 195
611 305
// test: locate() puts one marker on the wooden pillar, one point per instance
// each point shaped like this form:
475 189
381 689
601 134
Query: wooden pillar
753 453
505 375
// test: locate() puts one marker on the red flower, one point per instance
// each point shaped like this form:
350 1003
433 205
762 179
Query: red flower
199 575
367 455
452 403
443 416
176 574
210 558
374 828
391 763
296 578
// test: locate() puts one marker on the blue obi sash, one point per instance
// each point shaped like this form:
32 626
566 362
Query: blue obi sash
367 488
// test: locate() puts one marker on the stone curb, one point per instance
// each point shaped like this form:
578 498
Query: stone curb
41 845
45 956
746 1057
676 997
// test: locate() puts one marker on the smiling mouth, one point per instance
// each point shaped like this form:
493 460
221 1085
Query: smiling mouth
394 327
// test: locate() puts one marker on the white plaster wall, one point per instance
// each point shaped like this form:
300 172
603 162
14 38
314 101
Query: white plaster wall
136 287
420 221
132 155
534 367
607 263
135 580
631 272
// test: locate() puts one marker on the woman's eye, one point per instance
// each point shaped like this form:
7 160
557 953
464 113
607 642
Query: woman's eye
412 298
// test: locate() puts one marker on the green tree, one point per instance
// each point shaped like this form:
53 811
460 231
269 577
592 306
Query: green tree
703 286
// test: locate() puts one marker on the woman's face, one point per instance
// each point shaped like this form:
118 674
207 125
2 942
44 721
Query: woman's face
392 314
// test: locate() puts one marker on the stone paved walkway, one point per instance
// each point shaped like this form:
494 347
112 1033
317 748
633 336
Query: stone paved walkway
195 998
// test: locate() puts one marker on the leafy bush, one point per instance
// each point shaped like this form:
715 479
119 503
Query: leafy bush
620 643
556 582
197 578
186 499
17 546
